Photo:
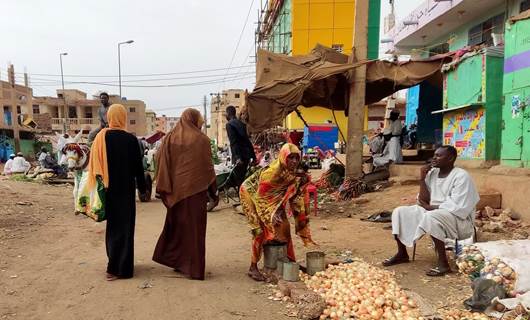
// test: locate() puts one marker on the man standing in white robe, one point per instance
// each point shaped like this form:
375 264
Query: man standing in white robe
445 210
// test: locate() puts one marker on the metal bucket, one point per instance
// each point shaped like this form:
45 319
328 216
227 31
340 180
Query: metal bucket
316 261
291 271
279 266
272 253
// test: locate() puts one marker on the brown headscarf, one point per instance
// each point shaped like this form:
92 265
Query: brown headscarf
185 165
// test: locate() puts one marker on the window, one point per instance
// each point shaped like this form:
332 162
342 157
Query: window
481 33
132 109
525 5
88 112
36 109
19 110
55 112
72 112
236 95
132 122
337 47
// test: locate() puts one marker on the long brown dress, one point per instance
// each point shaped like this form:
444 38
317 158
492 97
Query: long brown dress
185 176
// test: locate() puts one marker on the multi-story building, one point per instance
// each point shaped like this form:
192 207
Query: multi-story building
72 111
295 27
16 128
231 97
465 108
150 119
165 123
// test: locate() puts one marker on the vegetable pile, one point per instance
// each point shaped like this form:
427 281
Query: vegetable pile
358 290
472 263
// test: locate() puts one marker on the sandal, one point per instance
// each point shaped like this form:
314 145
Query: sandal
395 260
436 272
111 277
256 276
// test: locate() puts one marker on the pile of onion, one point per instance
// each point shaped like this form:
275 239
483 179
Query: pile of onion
501 273
470 261
358 290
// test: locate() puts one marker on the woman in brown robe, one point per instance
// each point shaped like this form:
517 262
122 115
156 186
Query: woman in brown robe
185 177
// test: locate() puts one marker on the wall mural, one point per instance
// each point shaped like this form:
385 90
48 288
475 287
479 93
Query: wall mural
466 131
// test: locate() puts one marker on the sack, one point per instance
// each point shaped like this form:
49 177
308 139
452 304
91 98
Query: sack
90 202
484 291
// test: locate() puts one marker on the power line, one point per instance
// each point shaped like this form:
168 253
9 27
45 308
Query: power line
128 75
240 36
155 86
151 80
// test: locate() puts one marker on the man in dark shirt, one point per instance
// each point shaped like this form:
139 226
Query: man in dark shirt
102 113
240 146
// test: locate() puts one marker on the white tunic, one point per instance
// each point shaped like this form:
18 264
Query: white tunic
20 165
456 197
392 152
8 166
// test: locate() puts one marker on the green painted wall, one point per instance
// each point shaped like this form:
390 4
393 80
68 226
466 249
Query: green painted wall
476 80
515 146
374 22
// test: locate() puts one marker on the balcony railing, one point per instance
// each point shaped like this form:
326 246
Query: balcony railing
75 121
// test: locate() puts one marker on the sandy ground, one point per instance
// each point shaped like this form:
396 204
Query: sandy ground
52 263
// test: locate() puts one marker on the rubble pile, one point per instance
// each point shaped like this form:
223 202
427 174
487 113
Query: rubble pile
502 221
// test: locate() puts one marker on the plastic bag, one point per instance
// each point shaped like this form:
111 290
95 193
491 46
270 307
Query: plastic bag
484 291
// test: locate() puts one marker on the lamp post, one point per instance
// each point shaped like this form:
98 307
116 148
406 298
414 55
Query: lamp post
119 60
65 111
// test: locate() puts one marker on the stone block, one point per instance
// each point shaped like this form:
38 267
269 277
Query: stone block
490 199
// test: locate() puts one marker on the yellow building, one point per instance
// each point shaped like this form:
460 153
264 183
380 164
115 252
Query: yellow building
295 27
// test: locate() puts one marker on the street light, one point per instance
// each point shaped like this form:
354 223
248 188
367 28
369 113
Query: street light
119 60
65 113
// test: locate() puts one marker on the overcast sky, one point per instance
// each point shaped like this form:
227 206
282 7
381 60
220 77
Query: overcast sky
169 37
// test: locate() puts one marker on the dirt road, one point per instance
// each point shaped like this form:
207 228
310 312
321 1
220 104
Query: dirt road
52 263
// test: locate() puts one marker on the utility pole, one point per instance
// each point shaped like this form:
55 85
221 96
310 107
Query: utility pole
65 109
204 101
218 110
119 61
354 152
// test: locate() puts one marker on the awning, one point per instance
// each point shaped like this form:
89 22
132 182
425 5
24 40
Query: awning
322 78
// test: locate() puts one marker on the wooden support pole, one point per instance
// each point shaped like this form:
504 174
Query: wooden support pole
354 152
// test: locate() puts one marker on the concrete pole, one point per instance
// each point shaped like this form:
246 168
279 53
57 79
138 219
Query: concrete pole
204 101
354 152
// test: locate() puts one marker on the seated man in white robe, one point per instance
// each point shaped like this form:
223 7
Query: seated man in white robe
445 210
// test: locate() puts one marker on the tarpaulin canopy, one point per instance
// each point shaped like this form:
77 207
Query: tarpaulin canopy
322 78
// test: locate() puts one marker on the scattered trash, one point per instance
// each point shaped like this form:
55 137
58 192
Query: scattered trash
146 284
24 203
13 276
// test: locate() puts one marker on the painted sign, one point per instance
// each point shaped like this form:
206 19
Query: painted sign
466 131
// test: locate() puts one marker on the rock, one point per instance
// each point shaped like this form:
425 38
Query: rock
490 199
515 215
488 212
520 235
492 227
513 223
